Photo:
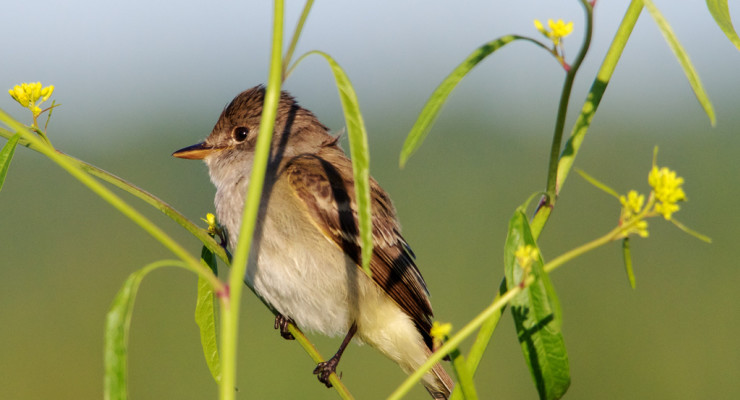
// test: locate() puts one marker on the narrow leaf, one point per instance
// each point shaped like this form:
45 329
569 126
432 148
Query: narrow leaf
597 183
628 261
358 149
205 317
702 237
721 13
431 109
683 59
117 323
6 155
537 315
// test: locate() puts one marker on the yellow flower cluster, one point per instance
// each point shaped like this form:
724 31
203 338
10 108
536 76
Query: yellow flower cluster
668 191
632 206
558 29
28 95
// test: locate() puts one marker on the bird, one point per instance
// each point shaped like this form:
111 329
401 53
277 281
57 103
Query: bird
306 256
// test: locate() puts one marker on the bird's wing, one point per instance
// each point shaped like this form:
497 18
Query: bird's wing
325 185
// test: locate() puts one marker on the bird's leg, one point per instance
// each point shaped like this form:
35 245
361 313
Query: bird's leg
282 322
324 369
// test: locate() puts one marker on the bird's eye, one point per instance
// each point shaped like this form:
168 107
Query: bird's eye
240 133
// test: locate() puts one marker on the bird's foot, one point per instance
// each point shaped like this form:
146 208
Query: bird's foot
324 369
282 322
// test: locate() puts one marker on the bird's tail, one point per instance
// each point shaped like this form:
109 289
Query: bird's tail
438 383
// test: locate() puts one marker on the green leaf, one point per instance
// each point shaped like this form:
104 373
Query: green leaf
537 315
628 261
597 183
6 155
358 149
205 317
465 384
683 59
721 13
431 109
117 323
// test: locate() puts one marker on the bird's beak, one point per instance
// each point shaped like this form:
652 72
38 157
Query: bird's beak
195 152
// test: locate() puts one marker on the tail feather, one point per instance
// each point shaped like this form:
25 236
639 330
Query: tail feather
438 383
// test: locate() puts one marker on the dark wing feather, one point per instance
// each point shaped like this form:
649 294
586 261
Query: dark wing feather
324 182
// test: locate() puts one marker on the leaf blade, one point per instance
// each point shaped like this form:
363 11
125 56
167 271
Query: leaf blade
6 156
435 102
205 317
360 154
537 315
721 14
117 324
683 59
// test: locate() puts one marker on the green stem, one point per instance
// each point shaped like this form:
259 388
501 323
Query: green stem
230 320
593 99
552 189
294 39
142 194
496 309
113 200
455 341
316 357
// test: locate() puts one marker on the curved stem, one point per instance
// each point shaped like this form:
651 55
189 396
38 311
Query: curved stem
552 189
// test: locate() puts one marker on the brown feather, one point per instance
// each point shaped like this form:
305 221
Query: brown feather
325 184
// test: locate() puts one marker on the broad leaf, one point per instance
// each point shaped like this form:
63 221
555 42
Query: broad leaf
537 315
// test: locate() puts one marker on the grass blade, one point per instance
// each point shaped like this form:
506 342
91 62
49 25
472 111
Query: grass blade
683 59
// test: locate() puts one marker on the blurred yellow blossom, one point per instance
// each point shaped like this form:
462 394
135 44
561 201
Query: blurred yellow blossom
440 331
210 219
526 255
558 29
31 95
667 188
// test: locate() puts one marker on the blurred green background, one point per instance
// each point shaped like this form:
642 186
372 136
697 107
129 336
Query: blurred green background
138 80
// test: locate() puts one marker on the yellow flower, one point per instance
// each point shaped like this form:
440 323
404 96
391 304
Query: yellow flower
558 29
633 202
210 219
31 95
667 188
440 331
631 207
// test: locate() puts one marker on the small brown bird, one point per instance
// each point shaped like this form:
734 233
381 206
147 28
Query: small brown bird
306 250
